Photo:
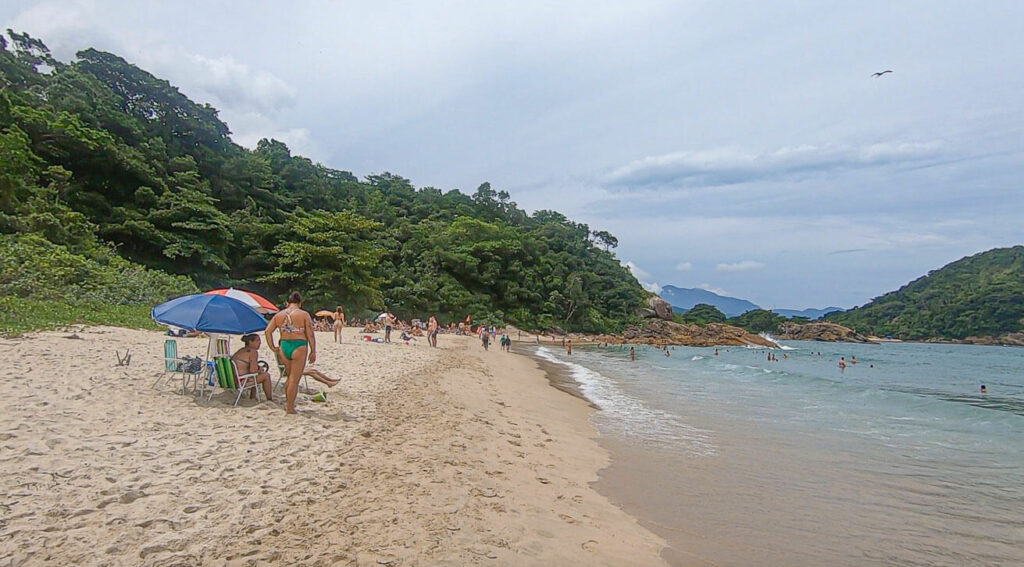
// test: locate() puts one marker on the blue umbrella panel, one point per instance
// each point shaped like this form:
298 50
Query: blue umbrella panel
209 314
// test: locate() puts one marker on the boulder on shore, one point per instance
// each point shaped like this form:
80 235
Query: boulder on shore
820 331
661 308
660 332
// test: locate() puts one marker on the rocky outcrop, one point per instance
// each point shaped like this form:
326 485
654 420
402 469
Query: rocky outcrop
820 331
661 308
660 332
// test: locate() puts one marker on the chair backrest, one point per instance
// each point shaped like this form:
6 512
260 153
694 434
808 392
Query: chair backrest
171 355
226 377
223 347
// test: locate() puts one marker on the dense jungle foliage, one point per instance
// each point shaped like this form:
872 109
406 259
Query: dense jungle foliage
116 188
980 295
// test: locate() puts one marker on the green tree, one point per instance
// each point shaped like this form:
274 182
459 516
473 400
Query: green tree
330 257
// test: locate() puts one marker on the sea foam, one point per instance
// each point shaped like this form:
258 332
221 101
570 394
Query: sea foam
631 417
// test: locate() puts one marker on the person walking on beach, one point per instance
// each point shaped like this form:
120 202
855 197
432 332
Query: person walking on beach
298 341
485 337
432 328
339 323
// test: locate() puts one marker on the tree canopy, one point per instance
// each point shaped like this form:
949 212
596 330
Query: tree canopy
103 163
980 295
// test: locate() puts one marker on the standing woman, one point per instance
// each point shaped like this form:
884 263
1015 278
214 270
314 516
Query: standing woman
297 342
339 323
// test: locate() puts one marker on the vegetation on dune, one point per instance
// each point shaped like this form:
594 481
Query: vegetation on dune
980 295
20 315
115 187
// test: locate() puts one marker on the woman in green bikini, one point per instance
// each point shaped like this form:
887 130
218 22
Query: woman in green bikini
297 342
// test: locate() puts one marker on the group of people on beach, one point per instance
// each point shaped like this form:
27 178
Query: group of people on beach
489 334
296 344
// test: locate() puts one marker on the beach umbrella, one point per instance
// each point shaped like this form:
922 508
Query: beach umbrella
254 300
324 313
382 316
209 314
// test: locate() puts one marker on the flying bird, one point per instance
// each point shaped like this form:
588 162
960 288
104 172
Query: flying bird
880 73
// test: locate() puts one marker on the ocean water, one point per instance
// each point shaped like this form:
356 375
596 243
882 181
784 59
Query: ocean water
736 460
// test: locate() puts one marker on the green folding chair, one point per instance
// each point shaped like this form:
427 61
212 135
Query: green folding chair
229 378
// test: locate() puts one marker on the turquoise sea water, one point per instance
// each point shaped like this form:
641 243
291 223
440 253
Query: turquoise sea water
736 460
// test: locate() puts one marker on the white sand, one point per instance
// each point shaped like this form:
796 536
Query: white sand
420 456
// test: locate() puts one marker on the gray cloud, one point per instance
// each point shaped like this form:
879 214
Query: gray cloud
744 266
732 166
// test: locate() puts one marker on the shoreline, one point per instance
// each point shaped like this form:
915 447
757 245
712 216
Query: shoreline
420 456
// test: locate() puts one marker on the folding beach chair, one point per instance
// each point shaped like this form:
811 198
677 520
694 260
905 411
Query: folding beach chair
174 364
218 347
229 378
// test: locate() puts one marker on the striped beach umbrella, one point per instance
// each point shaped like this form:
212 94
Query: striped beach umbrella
254 300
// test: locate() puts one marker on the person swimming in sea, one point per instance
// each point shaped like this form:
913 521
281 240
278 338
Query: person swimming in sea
983 389
842 363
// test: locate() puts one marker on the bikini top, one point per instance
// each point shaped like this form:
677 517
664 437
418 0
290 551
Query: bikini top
288 326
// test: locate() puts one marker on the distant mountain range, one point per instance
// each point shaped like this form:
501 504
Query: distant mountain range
683 299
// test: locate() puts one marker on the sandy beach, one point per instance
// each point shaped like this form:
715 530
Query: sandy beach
420 456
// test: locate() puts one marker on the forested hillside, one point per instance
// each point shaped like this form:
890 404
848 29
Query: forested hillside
115 187
980 295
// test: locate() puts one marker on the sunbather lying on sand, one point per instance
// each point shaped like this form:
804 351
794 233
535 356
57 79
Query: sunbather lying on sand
320 377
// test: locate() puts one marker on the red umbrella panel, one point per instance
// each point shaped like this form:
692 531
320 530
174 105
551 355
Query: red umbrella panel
254 300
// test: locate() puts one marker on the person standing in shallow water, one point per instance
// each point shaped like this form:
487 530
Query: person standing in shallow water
298 341
632 353
568 347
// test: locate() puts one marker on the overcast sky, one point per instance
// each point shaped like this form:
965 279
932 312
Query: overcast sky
742 147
